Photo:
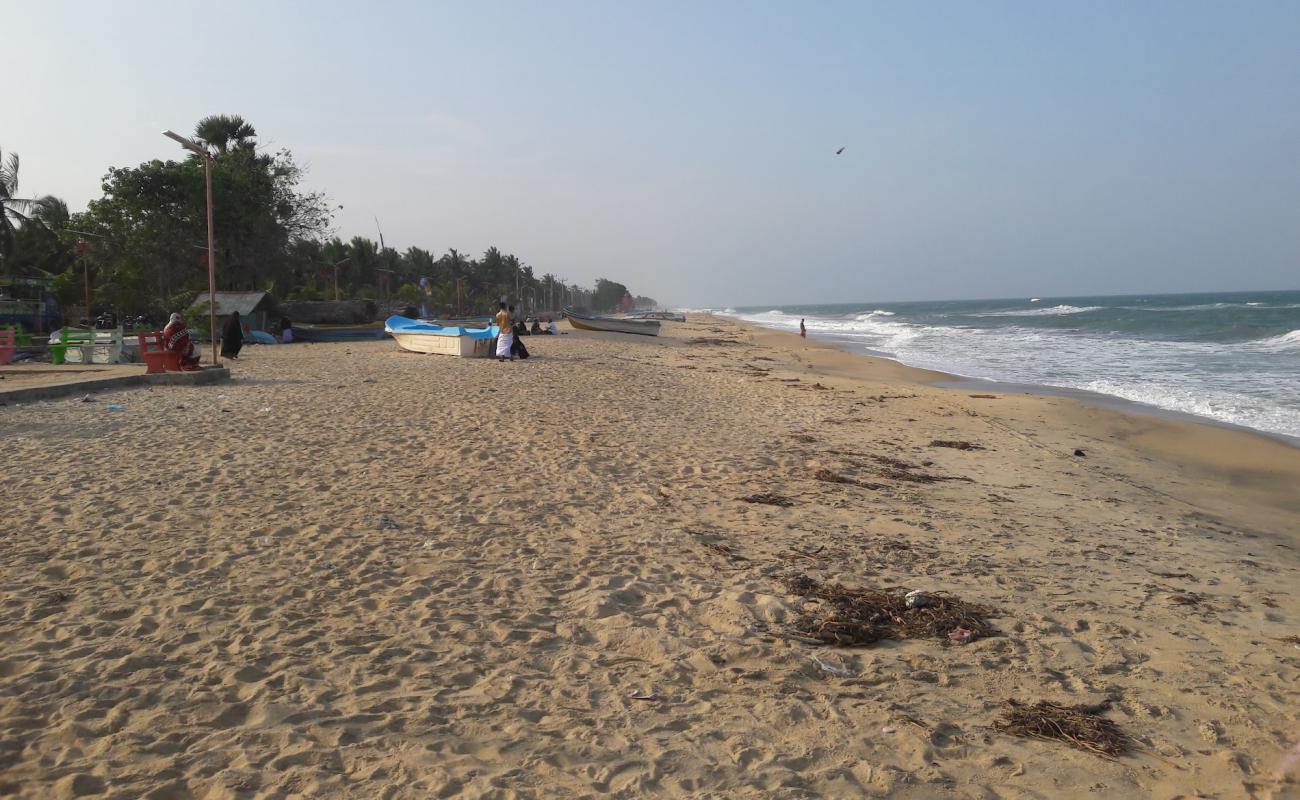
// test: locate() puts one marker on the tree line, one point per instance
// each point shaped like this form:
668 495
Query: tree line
141 248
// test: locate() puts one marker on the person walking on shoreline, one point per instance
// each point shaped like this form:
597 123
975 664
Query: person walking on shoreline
803 332
505 335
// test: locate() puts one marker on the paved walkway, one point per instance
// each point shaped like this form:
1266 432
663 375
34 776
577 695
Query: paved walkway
25 382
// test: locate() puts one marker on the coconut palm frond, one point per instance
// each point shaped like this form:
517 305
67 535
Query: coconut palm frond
50 211
8 175
221 131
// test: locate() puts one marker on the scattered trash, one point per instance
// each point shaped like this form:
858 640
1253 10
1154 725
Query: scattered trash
85 398
769 499
888 729
917 599
116 407
265 541
1079 726
643 696
839 672
429 544
960 635
267 410
1078 451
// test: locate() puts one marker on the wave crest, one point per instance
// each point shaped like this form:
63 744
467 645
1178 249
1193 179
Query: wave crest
1054 311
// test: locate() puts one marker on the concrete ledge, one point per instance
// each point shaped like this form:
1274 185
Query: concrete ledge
92 383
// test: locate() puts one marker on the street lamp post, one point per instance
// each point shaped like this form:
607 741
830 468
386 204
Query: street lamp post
336 275
212 266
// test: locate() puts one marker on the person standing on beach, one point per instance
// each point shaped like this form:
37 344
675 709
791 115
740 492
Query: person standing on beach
505 335
803 332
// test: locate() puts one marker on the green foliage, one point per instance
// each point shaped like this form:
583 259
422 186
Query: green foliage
144 242
67 288
608 295
196 319
409 294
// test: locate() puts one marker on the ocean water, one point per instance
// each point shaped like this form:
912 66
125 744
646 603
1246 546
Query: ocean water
1234 358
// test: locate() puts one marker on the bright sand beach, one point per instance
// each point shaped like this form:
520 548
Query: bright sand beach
355 572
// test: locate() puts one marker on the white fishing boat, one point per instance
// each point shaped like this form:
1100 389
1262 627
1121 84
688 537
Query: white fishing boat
447 340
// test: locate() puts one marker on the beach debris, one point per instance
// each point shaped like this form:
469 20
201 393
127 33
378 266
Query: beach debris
803 438
983 396
115 407
809 554
960 635
955 444
85 398
917 599
830 476
639 695
57 597
1079 726
429 544
857 617
837 671
889 729
768 499
1079 451
1295 640
1185 599
387 523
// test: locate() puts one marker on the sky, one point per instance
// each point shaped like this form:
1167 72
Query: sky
687 149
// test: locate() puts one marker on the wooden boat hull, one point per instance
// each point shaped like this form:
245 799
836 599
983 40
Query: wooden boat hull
643 327
337 333
424 337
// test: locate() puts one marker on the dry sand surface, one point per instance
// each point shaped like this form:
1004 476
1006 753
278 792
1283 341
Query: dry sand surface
355 572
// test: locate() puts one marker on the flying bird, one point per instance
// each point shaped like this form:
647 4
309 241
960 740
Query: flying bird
841 150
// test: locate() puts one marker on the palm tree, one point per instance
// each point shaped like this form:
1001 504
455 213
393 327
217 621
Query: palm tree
13 210
223 131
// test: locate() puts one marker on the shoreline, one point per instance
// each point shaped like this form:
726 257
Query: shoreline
959 381
1223 456
354 571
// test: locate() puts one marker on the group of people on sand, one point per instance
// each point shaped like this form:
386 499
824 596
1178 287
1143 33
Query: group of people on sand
512 328
176 337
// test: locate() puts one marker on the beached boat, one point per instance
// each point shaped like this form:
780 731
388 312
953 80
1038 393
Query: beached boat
449 340
645 327
308 332
667 316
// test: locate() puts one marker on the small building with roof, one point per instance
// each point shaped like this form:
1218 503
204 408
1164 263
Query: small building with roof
256 309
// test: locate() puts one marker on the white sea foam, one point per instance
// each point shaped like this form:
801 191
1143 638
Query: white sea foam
1287 341
1054 311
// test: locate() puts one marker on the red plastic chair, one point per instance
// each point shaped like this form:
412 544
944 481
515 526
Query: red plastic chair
157 358
8 344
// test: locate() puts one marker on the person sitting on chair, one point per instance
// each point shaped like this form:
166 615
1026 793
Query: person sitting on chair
176 337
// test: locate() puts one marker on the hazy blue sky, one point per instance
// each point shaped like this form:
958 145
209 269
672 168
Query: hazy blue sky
687 149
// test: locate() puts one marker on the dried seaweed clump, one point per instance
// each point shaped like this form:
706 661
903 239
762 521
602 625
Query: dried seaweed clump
955 445
768 499
1079 726
830 476
856 617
